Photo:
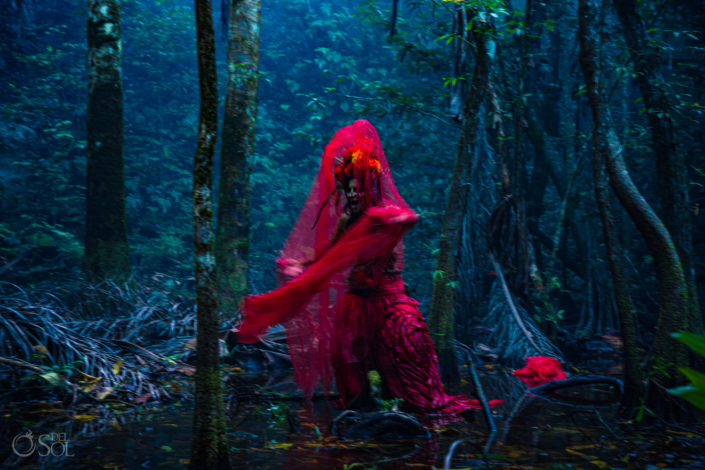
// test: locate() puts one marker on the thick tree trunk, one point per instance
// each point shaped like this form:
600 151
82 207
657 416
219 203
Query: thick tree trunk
633 380
440 319
237 151
107 252
673 290
671 167
210 444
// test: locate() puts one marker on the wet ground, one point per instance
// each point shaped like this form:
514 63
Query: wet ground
532 434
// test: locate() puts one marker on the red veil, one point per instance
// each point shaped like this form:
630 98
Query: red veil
305 305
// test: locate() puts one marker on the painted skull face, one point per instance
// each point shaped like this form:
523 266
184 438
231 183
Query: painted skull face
351 195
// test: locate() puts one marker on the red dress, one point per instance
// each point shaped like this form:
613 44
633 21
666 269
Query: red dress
346 313
376 325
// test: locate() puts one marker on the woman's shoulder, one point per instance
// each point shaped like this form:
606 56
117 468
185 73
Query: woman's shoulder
343 221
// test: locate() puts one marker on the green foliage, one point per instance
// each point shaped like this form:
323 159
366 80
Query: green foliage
658 369
374 378
375 384
342 67
276 416
695 392
312 87
355 465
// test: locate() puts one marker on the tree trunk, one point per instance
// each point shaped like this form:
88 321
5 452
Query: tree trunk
633 381
522 277
210 444
440 319
673 290
107 251
671 167
558 174
237 151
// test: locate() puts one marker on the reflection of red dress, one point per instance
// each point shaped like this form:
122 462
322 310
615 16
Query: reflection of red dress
376 326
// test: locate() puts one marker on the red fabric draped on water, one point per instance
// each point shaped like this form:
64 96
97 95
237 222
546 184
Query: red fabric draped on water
347 313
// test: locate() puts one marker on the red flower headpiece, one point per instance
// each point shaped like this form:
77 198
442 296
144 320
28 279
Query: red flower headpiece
359 159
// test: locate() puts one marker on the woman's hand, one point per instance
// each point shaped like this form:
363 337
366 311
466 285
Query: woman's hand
290 267
407 217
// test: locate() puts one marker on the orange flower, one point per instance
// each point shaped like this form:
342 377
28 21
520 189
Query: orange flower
359 159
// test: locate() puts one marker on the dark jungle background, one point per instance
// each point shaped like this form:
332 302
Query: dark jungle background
534 173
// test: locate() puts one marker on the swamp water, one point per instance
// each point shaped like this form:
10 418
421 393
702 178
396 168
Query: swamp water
532 434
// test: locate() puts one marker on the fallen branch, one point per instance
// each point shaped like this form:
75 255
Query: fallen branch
575 382
449 456
24 365
545 392
482 399
510 301
182 367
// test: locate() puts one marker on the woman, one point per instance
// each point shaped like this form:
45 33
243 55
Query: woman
343 303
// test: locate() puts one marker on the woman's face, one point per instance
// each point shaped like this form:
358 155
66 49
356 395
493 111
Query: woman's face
351 195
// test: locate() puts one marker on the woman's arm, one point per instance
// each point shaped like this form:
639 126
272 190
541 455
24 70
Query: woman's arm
340 227
291 268
376 233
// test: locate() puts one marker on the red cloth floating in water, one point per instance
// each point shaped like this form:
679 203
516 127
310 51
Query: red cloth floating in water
540 370
491 403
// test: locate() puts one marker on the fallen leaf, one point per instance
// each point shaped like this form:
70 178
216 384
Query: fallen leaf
142 399
48 410
89 378
90 382
190 344
280 445
444 429
564 431
583 447
117 366
41 351
85 417
102 392
166 448
53 378
187 370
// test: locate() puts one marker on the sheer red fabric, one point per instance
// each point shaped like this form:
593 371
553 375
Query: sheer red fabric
343 304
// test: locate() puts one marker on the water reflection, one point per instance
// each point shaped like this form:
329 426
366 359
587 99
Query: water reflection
532 433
